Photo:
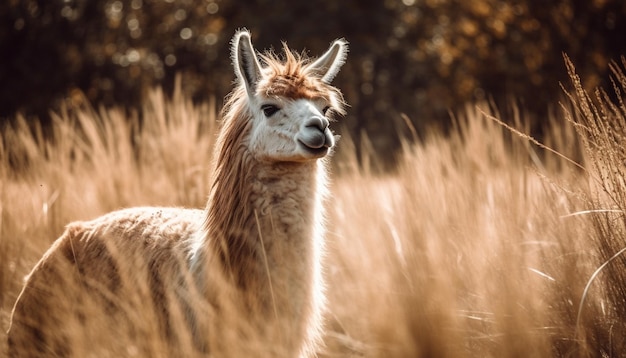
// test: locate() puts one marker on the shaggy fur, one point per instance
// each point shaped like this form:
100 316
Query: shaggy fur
242 277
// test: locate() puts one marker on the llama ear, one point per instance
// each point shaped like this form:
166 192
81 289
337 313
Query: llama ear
245 61
328 65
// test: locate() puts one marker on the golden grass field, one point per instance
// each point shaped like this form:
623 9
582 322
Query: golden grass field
481 243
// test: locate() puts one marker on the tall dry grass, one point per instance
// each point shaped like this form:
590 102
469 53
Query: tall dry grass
480 243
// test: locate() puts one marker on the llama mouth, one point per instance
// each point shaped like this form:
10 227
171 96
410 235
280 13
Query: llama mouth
318 142
315 151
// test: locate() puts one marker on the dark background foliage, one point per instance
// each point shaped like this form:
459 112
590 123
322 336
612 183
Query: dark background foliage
424 58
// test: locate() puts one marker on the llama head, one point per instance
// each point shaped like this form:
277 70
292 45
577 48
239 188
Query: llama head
288 101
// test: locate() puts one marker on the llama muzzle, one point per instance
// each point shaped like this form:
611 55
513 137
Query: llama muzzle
316 135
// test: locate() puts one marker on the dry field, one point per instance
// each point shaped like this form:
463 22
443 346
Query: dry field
482 243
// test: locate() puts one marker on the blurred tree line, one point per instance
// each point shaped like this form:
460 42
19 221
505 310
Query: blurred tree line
424 58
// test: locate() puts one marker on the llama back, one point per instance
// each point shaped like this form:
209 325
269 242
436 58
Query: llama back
109 275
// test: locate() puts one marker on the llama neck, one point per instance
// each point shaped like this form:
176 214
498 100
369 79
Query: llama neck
264 222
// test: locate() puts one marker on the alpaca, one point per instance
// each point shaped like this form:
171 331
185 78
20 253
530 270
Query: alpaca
244 273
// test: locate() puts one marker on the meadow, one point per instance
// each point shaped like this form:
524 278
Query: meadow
482 242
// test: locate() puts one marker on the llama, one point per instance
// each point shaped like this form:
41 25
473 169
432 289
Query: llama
244 273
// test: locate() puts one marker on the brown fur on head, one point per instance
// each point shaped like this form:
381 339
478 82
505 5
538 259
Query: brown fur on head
291 78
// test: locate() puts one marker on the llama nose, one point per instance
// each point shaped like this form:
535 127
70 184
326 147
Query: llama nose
315 134
320 123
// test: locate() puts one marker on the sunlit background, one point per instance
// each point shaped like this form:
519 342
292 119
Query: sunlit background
423 58
481 242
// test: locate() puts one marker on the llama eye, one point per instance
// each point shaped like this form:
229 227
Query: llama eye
269 109
325 110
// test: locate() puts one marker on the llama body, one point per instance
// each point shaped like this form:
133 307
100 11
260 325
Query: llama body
242 276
